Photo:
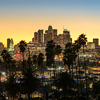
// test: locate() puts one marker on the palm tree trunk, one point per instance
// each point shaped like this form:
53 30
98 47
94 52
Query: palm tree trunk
23 60
79 73
77 79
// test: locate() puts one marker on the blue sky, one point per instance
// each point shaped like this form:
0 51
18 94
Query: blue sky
27 16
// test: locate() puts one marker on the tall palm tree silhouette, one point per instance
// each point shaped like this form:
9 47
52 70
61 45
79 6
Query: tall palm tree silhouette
22 46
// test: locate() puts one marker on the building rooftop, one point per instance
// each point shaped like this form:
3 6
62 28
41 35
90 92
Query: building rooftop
65 30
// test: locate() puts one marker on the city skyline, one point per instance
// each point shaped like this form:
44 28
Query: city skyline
19 19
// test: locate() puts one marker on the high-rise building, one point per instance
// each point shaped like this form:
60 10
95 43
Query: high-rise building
51 34
8 43
46 38
54 35
96 41
66 36
40 36
49 29
35 38
11 48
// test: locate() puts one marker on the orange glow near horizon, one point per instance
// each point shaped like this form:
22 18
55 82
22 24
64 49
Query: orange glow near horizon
24 28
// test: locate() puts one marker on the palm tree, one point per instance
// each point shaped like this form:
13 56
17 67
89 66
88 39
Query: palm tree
40 60
30 83
22 46
50 54
29 61
73 56
34 59
67 58
64 82
58 50
81 41
7 58
24 63
12 87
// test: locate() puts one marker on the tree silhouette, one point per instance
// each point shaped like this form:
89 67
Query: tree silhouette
69 55
22 46
50 54
58 51
64 82
12 87
30 83
7 58
81 41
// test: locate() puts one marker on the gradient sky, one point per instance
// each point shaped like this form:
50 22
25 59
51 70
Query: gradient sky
19 19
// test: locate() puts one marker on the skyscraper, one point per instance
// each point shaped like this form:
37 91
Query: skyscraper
66 36
46 38
11 45
8 43
54 35
40 36
35 38
49 29
96 41
50 34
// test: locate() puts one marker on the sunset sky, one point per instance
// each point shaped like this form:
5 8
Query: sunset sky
19 19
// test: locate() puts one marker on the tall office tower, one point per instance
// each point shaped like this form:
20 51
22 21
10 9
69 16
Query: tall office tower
8 43
35 38
46 38
49 29
50 32
54 35
60 38
40 36
66 36
11 45
96 41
